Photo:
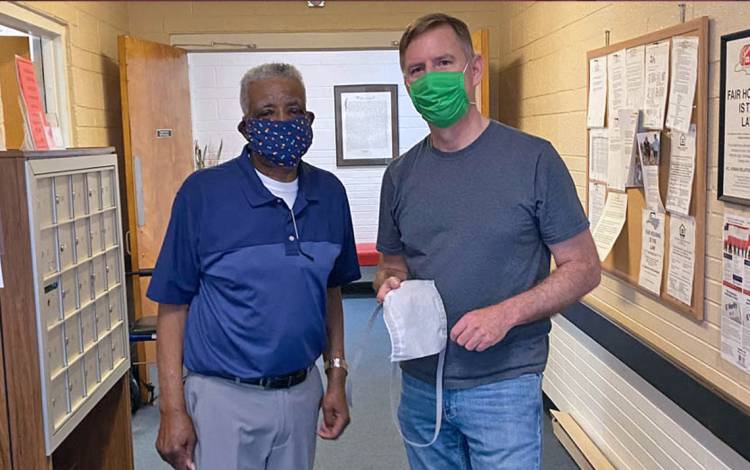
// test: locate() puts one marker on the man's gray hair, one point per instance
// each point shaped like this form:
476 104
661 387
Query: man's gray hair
263 72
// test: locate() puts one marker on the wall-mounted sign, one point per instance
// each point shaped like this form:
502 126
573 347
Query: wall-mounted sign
734 119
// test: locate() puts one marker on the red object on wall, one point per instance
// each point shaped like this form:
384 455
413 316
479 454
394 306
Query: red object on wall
367 255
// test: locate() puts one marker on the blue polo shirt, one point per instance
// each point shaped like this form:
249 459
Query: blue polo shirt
256 294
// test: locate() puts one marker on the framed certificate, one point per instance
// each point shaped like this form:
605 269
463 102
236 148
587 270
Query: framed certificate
734 119
366 124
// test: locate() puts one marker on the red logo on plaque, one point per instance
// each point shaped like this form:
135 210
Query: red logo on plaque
745 56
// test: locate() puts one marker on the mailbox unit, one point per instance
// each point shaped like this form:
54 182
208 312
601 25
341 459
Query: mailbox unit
63 311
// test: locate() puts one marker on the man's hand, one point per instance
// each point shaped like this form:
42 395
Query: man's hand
388 285
482 328
176 440
335 409
392 270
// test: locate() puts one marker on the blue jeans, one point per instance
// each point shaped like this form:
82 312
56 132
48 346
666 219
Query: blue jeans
494 426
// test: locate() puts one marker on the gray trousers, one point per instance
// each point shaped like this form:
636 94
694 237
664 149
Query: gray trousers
244 427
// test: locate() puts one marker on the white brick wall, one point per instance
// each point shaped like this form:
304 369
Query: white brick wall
633 424
215 88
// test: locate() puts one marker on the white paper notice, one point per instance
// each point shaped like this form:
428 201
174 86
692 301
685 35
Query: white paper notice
681 258
682 86
650 155
598 154
735 327
616 84
657 78
616 167
366 125
731 327
597 197
651 186
628 119
635 61
652 251
610 224
1 275
681 172
597 92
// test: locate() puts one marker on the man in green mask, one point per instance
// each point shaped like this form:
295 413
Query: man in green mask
479 208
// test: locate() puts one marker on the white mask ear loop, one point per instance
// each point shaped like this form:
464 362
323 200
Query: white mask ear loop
394 399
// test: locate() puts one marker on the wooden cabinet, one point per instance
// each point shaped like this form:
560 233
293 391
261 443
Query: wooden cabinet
62 321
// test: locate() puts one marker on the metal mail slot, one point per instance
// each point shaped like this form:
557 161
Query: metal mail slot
80 199
62 199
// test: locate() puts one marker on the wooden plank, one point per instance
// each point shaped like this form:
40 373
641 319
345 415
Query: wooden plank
570 446
624 260
581 448
104 438
18 320
4 431
10 46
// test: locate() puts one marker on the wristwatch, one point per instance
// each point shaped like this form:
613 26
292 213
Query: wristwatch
337 363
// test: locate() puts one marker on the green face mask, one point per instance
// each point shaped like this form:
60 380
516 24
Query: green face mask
440 97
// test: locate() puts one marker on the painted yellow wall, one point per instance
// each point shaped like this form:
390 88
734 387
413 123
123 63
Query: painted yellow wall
538 83
542 90
93 77
155 21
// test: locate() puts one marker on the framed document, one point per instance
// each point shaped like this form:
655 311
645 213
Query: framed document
366 124
734 119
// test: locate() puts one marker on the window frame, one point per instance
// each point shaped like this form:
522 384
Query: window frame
54 36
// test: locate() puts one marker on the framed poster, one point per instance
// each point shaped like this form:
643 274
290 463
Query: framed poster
366 124
734 119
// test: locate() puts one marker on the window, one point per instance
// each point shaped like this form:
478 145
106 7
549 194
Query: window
47 50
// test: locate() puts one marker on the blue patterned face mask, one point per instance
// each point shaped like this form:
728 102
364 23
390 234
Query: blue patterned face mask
282 143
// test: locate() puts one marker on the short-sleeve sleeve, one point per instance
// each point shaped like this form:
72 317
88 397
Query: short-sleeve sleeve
389 236
558 208
346 267
177 272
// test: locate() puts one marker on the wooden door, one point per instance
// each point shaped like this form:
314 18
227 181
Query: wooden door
10 47
481 41
157 134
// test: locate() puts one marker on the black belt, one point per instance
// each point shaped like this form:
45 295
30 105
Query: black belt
283 381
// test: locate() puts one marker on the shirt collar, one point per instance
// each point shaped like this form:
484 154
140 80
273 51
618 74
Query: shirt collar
257 194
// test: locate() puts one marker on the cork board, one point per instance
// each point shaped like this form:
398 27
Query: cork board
624 260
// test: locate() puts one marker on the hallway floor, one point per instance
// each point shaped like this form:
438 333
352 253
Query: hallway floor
371 441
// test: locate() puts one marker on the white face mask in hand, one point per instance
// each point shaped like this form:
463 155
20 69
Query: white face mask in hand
415 317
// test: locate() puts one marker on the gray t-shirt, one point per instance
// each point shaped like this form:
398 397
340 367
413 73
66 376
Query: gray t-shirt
479 222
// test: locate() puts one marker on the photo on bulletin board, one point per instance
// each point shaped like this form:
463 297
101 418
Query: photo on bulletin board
734 119
366 124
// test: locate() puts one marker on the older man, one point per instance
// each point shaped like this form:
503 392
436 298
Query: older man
478 207
248 285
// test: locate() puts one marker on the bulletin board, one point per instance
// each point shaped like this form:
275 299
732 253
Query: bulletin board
625 257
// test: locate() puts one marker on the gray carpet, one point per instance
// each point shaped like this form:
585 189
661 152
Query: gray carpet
371 441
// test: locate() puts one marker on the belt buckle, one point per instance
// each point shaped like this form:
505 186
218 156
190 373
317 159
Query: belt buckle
264 382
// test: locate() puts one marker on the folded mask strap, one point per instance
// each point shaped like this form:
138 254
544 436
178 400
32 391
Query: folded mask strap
438 400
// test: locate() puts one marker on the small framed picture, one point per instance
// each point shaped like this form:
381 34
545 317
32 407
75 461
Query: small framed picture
366 124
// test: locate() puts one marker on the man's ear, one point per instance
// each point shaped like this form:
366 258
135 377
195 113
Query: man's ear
477 67
242 128
310 116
